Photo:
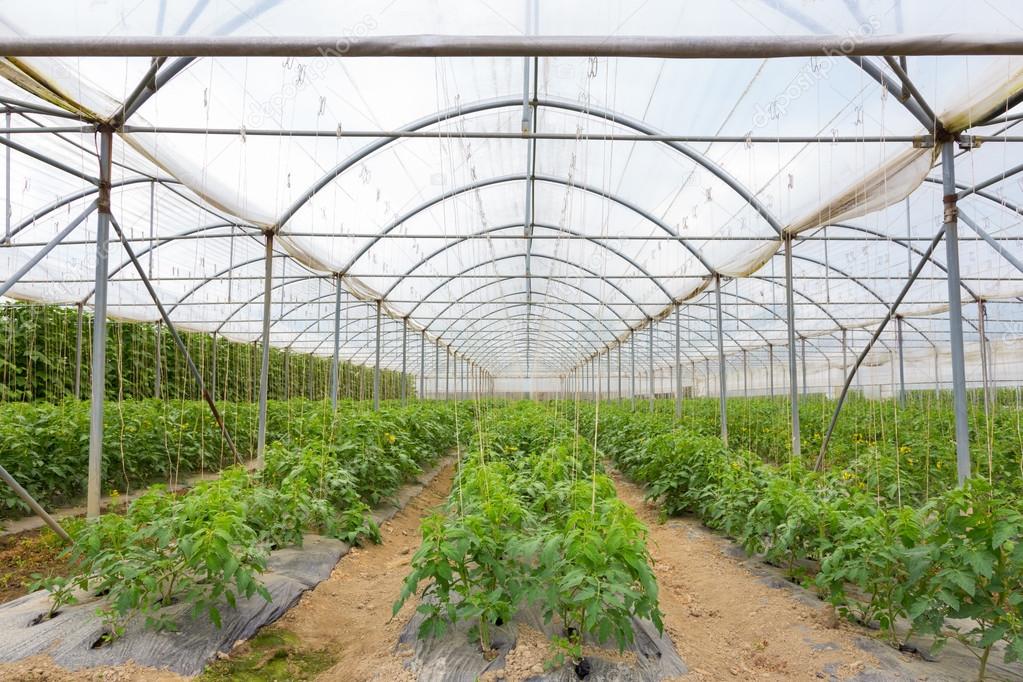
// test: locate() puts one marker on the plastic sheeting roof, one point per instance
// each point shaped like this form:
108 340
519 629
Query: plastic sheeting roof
516 253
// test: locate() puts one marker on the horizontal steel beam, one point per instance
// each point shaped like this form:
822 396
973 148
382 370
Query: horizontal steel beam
507 135
658 47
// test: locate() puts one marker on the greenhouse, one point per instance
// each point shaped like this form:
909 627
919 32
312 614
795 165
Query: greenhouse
622 340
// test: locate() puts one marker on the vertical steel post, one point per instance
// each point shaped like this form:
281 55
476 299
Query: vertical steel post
650 364
678 362
722 377
99 327
213 368
436 371
607 396
632 353
802 359
791 324
447 373
845 353
6 232
376 364
619 371
264 364
404 361
422 366
745 373
770 366
78 353
902 362
986 385
955 311
335 363
158 331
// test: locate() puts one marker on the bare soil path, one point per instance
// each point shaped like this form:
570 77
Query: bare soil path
726 623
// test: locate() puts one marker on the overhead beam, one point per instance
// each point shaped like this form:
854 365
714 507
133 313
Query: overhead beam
656 47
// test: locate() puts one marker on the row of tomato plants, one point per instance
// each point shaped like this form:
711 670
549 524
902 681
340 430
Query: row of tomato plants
40 352
533 522
45 446
208 546
904 453
958 556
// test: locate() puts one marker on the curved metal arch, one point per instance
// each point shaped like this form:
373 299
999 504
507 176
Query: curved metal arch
563 358
554 306
523 255
449 305
548 278
74 196
856 281
160 242
518 177
450 343
586 110
902 242
511 226
626 325
224 271
574 338
567 335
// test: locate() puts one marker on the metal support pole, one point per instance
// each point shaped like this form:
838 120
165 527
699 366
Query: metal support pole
902 361
335 363
447 374
986 385
33 505
99 327
632 393
436 371
650 364
404 361
422 365
619 372
745 374
376 364
213 368
845 353
790 310
157 359
678 363
955 312
78 353
802 359
722 377
264 366
7 179
770 366
607 396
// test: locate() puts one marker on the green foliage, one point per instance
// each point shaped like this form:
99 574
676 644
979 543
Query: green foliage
208 546
39 362
531 520
957 556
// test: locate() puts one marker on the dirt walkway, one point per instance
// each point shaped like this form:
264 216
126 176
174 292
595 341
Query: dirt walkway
348 616
725 622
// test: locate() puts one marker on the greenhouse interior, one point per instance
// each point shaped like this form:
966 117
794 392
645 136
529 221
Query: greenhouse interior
624 340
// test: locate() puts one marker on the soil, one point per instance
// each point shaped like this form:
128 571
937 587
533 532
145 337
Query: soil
346 619
43 669
725 621
27 553
727 624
